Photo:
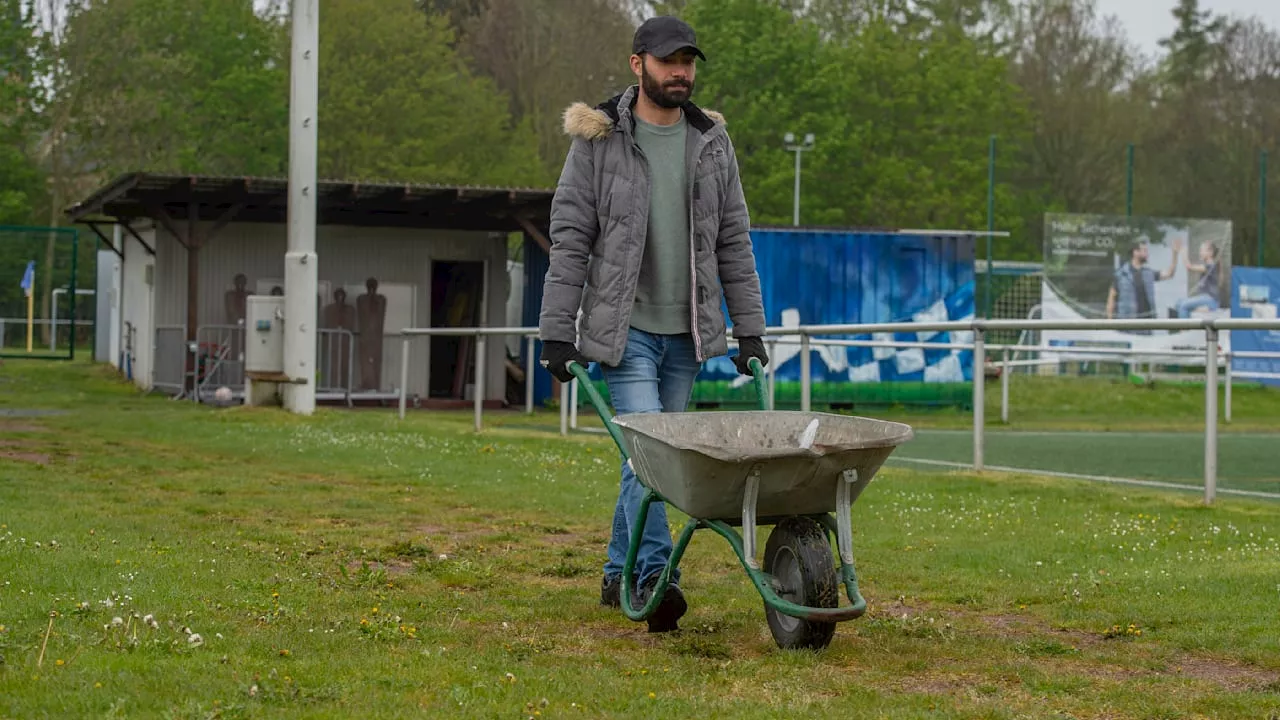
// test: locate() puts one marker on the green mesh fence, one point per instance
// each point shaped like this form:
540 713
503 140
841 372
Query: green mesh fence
41 313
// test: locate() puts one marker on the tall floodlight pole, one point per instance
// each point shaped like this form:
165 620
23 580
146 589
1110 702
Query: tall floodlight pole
797 148
1128 193
1262 206
301 263
991 222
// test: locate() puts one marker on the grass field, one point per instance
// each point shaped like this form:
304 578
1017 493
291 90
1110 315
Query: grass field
350 564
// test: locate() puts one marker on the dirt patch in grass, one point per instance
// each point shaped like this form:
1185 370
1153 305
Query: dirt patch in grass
18 426
13 450
453 539
935 684
36 458
1225 673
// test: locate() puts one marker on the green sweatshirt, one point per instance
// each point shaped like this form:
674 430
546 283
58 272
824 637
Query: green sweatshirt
662 295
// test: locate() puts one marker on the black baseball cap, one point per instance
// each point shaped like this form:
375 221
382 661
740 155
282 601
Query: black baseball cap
663 36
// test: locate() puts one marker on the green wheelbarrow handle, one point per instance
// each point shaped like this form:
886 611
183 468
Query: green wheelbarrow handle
606 415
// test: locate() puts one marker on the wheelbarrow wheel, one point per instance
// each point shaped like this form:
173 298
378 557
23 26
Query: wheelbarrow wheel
798 557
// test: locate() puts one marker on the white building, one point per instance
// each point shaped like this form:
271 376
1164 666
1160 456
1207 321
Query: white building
190 249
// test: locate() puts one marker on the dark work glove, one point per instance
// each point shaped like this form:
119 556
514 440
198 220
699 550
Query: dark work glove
556 356
750 347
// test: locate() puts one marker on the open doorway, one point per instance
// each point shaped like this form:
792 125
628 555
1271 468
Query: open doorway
457 290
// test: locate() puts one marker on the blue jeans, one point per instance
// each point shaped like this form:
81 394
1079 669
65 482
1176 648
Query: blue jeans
656 374
1186 305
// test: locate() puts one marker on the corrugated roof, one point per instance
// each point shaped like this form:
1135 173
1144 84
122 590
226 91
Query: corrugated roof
265 199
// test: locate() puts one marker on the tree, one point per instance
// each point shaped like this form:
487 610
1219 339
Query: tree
184 86
19 176
767 73
396 102
1196 43
1077 72
902 115
546 54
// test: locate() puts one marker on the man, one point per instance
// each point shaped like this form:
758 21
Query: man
649 229
1133 290
1205 293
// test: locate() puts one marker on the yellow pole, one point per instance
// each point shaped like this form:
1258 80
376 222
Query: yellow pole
31 296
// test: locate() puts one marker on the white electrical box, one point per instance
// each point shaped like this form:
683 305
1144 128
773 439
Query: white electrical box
264 334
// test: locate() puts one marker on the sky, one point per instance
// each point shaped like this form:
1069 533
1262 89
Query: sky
1146 21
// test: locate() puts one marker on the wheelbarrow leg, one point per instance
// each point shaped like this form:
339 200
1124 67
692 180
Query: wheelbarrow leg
750 496
842 527
664 577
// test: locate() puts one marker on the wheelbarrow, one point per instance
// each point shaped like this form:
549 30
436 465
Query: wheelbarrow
788 469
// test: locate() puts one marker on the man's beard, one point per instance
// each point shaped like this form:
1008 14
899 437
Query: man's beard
672 95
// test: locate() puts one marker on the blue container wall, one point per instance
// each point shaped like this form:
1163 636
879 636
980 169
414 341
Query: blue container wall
811 277
536 263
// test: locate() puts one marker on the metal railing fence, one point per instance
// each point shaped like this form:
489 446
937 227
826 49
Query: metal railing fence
810 336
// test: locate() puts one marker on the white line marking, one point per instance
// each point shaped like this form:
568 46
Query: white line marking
1080 476
1093 433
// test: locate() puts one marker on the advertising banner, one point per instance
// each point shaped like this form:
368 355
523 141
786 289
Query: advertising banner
1100 267
1255 292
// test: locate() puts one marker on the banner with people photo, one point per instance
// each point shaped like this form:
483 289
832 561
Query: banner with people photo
1099 267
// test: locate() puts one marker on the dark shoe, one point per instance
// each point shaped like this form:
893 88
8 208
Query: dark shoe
611 591
671 608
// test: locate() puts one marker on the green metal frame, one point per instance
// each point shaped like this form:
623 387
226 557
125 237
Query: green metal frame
73 286
763 581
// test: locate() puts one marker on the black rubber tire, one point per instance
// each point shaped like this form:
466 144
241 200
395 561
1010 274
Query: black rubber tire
798 554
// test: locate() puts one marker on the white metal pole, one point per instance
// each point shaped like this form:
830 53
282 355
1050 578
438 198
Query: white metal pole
301 262
564 408
1004 387
404 375
1211 415
53 333
117 283
805 373
481 342
795 220
979 395
530 363
1226 399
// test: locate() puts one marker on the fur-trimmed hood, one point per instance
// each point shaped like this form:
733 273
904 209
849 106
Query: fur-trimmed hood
593 123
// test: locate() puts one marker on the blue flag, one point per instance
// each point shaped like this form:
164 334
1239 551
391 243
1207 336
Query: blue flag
29 277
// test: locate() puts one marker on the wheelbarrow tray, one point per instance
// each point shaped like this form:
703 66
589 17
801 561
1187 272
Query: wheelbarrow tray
700 462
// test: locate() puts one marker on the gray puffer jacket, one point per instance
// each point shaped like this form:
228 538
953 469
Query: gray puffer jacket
599 221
